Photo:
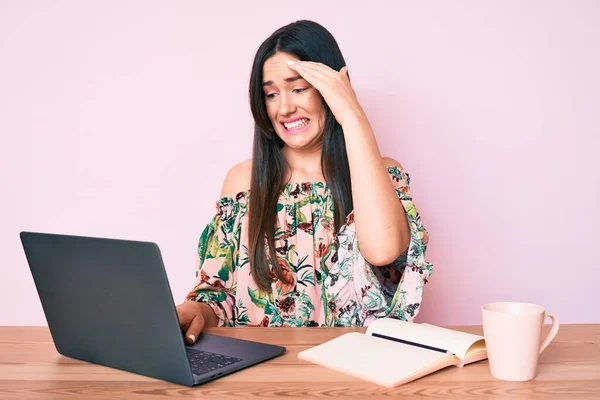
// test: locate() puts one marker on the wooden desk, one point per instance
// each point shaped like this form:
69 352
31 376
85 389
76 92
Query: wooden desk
30 368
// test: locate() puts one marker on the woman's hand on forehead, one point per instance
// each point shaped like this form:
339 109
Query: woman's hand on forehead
333 85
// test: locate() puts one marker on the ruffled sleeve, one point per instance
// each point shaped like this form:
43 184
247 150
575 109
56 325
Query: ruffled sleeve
218 258
394 290
416 270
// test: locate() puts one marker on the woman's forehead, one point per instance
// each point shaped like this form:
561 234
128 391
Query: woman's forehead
276 69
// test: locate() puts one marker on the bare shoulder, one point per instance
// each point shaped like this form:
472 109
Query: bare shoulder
388 162
237 179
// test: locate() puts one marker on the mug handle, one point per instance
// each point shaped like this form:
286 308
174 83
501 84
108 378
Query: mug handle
552 333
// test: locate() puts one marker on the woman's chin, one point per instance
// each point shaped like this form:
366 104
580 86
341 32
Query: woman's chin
301 142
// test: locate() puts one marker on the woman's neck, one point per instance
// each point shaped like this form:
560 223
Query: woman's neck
305 165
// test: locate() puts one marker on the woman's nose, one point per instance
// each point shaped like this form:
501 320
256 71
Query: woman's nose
287 105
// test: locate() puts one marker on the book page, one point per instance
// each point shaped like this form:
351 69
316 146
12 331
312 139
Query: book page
454 341
377 360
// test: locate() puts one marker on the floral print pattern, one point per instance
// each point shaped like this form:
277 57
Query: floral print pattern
332 284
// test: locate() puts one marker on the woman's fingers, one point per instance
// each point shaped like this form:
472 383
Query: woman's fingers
193 331
191 320
320 71
311 76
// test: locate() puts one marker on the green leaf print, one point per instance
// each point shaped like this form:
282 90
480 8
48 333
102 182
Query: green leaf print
373 300
244 260
257 297
224 272
294 320
276 320
304 311
401 314
429 268
304 201
242 319
305 300
290 256
242 314
300 266
346 319
213 248
300 217
279 207
297 268
270 309
316 214
203 241
410 209
307 278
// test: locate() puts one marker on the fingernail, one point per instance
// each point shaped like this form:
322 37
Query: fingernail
191 336
290 62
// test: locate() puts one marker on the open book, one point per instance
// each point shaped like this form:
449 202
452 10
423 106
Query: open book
393 352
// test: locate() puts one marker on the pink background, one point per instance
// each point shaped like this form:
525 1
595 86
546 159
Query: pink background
120 119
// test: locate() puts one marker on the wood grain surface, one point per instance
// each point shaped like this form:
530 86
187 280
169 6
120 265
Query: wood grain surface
30 368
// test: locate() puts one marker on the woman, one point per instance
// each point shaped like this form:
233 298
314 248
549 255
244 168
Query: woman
316 197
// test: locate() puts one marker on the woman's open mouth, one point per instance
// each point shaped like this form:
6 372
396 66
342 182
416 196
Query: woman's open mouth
296 126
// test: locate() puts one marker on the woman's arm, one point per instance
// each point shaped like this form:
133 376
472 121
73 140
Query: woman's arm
381 225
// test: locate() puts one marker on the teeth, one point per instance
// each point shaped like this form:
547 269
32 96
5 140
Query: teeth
296 124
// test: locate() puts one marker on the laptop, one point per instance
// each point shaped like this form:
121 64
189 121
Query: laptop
109 302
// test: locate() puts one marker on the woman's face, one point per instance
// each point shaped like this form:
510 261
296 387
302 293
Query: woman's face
295 108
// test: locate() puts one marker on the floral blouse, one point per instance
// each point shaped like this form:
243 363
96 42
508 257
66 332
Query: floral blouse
332 285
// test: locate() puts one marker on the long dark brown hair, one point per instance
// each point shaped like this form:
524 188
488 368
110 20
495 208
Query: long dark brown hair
309 41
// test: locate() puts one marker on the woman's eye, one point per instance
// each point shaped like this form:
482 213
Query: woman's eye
271 96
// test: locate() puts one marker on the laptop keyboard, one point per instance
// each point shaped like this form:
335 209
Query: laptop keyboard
203 362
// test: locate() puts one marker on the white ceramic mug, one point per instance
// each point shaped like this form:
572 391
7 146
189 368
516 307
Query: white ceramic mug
512 334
